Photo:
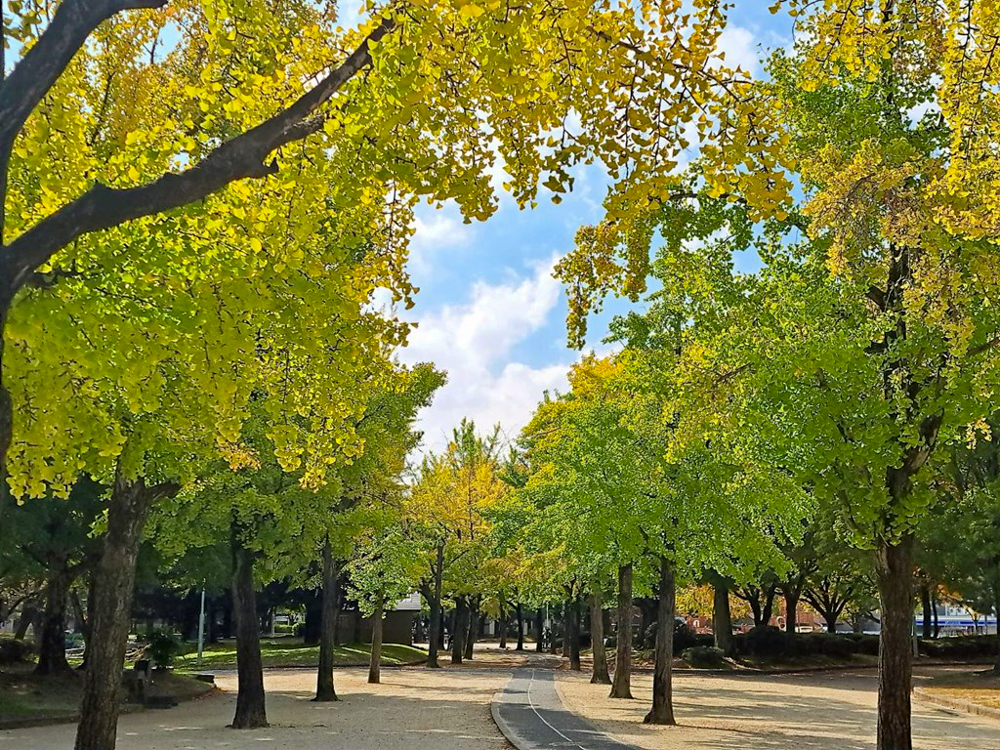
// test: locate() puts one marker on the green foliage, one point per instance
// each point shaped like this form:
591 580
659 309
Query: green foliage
163 648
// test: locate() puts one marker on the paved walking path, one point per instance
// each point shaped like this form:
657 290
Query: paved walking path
531 715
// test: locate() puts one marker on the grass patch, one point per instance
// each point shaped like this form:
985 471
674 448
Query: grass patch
24 695
288 652
981 687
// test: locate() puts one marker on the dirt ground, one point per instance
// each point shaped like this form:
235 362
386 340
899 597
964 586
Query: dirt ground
831 711
413 707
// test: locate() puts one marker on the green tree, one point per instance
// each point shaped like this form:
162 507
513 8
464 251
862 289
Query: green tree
386 568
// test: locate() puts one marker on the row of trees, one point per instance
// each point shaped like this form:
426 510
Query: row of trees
198 200
849 381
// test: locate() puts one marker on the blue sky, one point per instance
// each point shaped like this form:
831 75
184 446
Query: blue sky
489 310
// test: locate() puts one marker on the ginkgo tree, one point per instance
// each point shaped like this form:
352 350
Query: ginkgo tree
607 468
448 507
386 567
874 135
137 136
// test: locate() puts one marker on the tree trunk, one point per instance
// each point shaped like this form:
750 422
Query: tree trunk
768 608
600 674
925 601
24 620
567 606
329 614
621 687
662 711
459 630
435 629
539 627
791 611
894 577
831 622
520 627
83 617
128 510
472 617
337 609
502 622
251 711
573 633
722 620
375 665
52 643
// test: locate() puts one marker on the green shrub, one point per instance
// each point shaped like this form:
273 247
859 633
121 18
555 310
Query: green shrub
837 646
14 652
704 657
685 638
960 647
766 641
163 648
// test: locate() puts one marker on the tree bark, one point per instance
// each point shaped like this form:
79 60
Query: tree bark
791 611
662 711
375 665
600 674
621 686
128 510
325 690
520 628
925 601
502 622
567 605
52 643
459 631
722 620
251 712
573 633
894 577
435 626
539 626
472 618
24 620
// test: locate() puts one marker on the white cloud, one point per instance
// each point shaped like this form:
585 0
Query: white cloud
740 48
474 342
436 229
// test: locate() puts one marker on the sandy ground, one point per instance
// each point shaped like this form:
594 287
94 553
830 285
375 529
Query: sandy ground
832 711
412 708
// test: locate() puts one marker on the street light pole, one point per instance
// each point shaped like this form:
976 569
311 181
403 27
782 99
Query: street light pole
201 624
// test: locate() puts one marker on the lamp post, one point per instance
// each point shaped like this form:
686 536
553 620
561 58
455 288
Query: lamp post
201 624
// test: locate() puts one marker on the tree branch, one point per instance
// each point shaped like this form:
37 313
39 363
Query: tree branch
40 67
244 156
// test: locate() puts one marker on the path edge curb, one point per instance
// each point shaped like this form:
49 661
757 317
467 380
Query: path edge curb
957 704
505 729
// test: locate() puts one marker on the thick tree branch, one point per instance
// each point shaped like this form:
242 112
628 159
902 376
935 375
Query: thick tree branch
244 156
43 63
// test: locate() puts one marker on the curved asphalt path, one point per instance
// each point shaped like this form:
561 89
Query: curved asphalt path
531 716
